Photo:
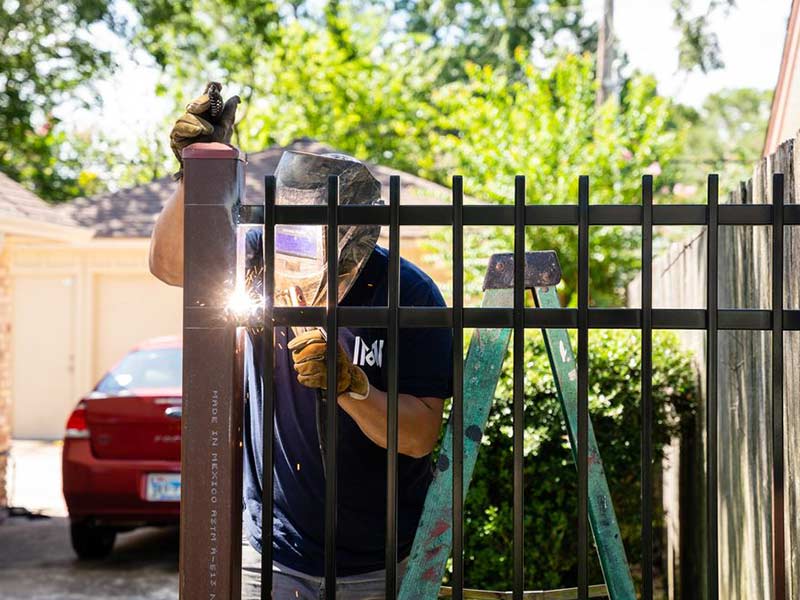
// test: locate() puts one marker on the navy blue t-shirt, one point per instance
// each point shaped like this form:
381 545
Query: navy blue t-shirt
425 369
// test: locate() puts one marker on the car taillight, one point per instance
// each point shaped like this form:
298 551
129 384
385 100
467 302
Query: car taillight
76 424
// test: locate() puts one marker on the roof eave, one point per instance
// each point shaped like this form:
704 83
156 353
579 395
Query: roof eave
14 225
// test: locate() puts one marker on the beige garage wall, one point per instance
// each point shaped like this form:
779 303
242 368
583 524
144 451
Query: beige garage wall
76 310
129 309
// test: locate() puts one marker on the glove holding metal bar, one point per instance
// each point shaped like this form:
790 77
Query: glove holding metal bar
206 119
309 357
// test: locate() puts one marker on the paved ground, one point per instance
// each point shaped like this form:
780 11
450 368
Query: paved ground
37 562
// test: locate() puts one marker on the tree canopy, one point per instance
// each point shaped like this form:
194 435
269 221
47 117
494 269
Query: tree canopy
47 55
50 58
725 135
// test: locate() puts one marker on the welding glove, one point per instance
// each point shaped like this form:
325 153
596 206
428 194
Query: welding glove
308 354
206 119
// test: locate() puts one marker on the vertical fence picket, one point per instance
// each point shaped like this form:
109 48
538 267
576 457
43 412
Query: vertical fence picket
268 383
583 387
646 388
392 335
778 516
519 384
331 424
458 388
712 267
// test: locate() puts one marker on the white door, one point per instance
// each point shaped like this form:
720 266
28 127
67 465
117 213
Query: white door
42 355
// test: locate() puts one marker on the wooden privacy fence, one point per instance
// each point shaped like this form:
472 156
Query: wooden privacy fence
211 451
746 486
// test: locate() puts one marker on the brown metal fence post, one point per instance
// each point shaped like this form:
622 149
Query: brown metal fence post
211 471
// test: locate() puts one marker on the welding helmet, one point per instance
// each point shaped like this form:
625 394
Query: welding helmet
300 250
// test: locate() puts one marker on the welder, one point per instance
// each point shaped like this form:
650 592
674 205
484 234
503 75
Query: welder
300 375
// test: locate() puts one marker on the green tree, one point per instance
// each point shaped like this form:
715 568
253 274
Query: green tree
490 32
545 126
699 45
46 55
725 135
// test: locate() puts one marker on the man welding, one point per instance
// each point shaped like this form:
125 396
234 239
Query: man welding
425 380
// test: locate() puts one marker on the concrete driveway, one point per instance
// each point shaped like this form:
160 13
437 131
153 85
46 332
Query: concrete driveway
37 561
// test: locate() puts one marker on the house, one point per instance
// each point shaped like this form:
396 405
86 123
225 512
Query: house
784 120
31 333
78 302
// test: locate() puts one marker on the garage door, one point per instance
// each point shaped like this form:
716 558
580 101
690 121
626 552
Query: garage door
43 360
128 310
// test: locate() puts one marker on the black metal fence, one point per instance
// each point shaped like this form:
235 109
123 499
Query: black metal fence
583 215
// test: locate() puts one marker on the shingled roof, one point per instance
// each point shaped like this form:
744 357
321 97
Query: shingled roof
19 203
130 213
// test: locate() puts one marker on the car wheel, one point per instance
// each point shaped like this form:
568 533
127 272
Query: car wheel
91 542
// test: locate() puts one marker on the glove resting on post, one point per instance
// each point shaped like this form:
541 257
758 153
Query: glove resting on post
206 120
309 354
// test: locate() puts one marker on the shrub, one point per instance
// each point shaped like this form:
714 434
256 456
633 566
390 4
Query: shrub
550 474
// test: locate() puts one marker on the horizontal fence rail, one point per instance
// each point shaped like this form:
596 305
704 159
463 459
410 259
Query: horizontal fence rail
534 318
550 215
584 318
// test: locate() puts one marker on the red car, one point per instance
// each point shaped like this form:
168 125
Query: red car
122 449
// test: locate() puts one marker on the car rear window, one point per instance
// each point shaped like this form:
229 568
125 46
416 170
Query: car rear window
158 368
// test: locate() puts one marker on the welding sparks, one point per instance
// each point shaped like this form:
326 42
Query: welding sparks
243 305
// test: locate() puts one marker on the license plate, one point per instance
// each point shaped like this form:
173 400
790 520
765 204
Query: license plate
163 487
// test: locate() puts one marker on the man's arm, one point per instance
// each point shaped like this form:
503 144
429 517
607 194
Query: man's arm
200 123
166 242
418 422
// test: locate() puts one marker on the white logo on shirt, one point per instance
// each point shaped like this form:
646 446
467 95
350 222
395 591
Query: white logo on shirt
364 354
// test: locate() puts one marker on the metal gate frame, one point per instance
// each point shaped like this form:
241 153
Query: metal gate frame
200 195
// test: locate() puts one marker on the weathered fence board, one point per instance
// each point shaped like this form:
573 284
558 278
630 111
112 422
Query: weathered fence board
745 423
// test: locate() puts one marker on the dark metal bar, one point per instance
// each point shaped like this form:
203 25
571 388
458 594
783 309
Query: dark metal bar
611 214
426 214
268 382
566 214
392 336
297 214
791 214
711 386
791 320
615 318
646 388
737 319
331 424
519 385
744 319
307 316
458 388
745 214
680 214
679 318
583 387
541 214
497 215
778 515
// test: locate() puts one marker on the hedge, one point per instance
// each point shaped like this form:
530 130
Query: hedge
550 474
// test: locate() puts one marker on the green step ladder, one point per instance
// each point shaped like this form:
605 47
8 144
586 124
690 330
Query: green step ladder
484 360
